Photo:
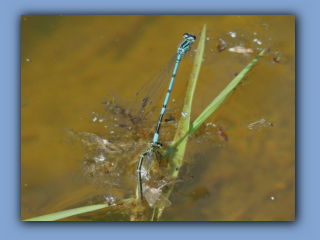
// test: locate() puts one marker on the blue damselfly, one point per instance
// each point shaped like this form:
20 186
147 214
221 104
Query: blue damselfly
150 93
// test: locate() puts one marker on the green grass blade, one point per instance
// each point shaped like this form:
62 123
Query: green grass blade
180 139
68 213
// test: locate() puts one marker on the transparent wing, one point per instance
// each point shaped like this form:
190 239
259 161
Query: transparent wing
149 159
151 92
162 202
151 194
154 197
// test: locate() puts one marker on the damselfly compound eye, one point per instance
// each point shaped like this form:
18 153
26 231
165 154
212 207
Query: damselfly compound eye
186 35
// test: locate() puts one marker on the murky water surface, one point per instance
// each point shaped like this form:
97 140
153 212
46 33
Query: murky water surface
79 145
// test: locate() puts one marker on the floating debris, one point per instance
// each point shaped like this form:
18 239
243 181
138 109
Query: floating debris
223 136
233 34
239 49
97 118
105 160
122 126
222 45
110 200
212 124
258 125
276 59
99 158
257 41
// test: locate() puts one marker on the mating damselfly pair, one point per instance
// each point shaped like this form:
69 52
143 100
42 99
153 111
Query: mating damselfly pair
150 94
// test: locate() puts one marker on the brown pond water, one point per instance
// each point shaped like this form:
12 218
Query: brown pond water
70 65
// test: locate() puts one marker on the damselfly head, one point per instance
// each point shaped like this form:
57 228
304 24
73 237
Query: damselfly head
155 145
189 37
159 145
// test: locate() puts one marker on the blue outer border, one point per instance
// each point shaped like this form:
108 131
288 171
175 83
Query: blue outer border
307 132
